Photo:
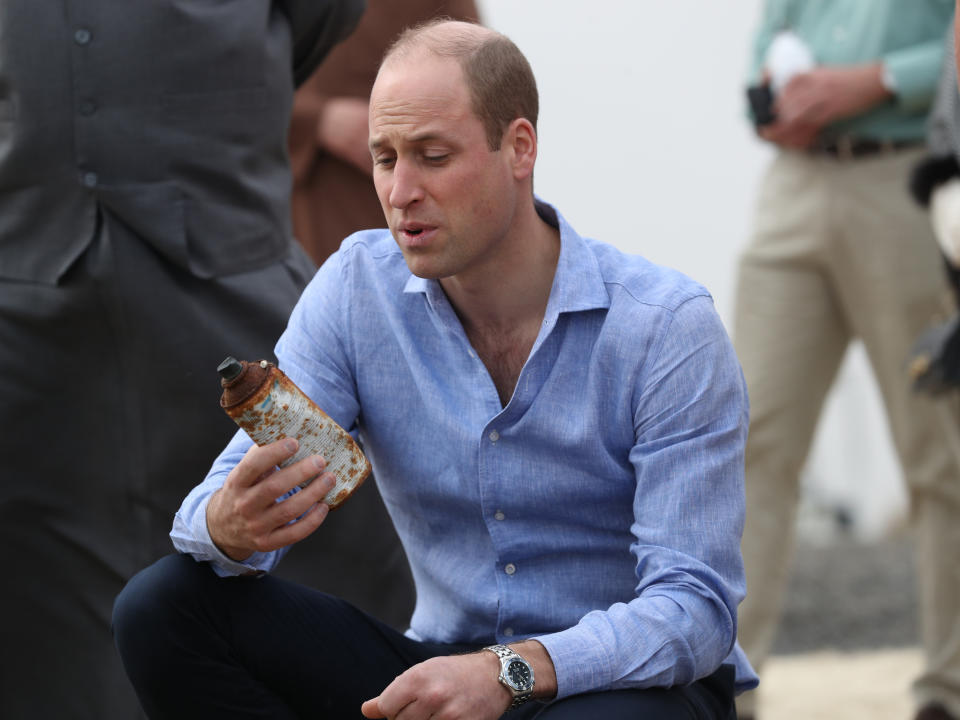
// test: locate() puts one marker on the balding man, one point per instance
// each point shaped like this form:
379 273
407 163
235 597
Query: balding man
557 430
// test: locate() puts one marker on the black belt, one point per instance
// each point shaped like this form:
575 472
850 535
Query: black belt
847 147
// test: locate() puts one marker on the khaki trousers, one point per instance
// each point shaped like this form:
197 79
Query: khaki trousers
840 251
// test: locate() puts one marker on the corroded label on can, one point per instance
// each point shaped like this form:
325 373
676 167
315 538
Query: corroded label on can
279 409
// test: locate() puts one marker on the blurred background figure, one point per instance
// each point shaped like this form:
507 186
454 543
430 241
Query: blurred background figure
840 251
333 196
144 236
333 192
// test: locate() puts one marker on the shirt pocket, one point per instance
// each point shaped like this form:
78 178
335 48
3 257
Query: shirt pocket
227 44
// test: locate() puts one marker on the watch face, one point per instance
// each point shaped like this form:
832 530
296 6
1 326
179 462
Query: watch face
519 675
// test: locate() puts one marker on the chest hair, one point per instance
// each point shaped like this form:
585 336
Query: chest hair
504 353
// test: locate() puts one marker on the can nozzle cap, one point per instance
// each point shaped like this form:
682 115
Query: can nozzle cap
230 368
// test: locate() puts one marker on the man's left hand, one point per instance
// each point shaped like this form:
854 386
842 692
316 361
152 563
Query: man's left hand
827 94
453 687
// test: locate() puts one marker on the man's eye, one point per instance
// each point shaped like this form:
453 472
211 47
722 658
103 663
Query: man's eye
384 161
436 159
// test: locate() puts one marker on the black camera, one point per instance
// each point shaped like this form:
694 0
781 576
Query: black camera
760 98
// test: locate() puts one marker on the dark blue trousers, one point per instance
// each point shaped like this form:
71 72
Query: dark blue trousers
198 646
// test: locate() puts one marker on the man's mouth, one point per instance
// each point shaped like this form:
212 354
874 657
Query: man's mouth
415 232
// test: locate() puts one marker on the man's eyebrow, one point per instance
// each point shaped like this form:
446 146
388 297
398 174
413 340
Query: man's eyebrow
427 136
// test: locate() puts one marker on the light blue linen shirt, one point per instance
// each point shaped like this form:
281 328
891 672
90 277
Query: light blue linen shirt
600 511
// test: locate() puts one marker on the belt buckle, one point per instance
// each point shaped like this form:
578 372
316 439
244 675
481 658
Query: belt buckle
844 145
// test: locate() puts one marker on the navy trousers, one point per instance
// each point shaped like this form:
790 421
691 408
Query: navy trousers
198 646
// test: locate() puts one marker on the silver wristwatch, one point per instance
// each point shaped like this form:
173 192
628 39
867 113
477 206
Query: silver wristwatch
516 674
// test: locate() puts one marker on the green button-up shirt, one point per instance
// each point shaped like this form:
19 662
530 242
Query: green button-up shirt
906 35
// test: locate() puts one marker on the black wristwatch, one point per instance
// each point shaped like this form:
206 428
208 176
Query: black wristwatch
516 674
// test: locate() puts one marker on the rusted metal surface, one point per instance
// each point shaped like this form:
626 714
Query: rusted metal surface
268 406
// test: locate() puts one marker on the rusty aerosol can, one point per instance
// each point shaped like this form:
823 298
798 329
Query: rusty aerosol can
268 406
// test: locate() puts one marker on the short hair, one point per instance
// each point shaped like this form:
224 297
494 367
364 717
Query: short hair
499 79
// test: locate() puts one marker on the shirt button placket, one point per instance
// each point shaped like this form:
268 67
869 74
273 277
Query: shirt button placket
88 106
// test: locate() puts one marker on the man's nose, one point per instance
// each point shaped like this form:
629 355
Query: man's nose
407 188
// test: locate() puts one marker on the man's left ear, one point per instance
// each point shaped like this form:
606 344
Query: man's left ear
521 140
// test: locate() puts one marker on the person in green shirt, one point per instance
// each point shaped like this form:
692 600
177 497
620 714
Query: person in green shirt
840 251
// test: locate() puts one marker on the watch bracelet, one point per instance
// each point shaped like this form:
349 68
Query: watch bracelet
503 652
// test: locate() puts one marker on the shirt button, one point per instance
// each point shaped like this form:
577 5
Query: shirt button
508 632
498 515
88 107
90 179
82 36
494 436
510 569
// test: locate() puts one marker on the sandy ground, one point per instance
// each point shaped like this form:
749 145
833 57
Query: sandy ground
847 645
834 685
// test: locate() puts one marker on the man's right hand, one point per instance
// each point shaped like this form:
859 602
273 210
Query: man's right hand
243 517
342 131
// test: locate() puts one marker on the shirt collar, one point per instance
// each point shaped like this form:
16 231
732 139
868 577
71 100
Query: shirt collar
577 285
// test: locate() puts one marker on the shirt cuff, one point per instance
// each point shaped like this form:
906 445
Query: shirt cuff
915 72
574 661
194 540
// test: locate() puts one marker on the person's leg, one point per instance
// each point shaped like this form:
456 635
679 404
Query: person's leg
708 699
892 287
199 646
790 336
65 521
